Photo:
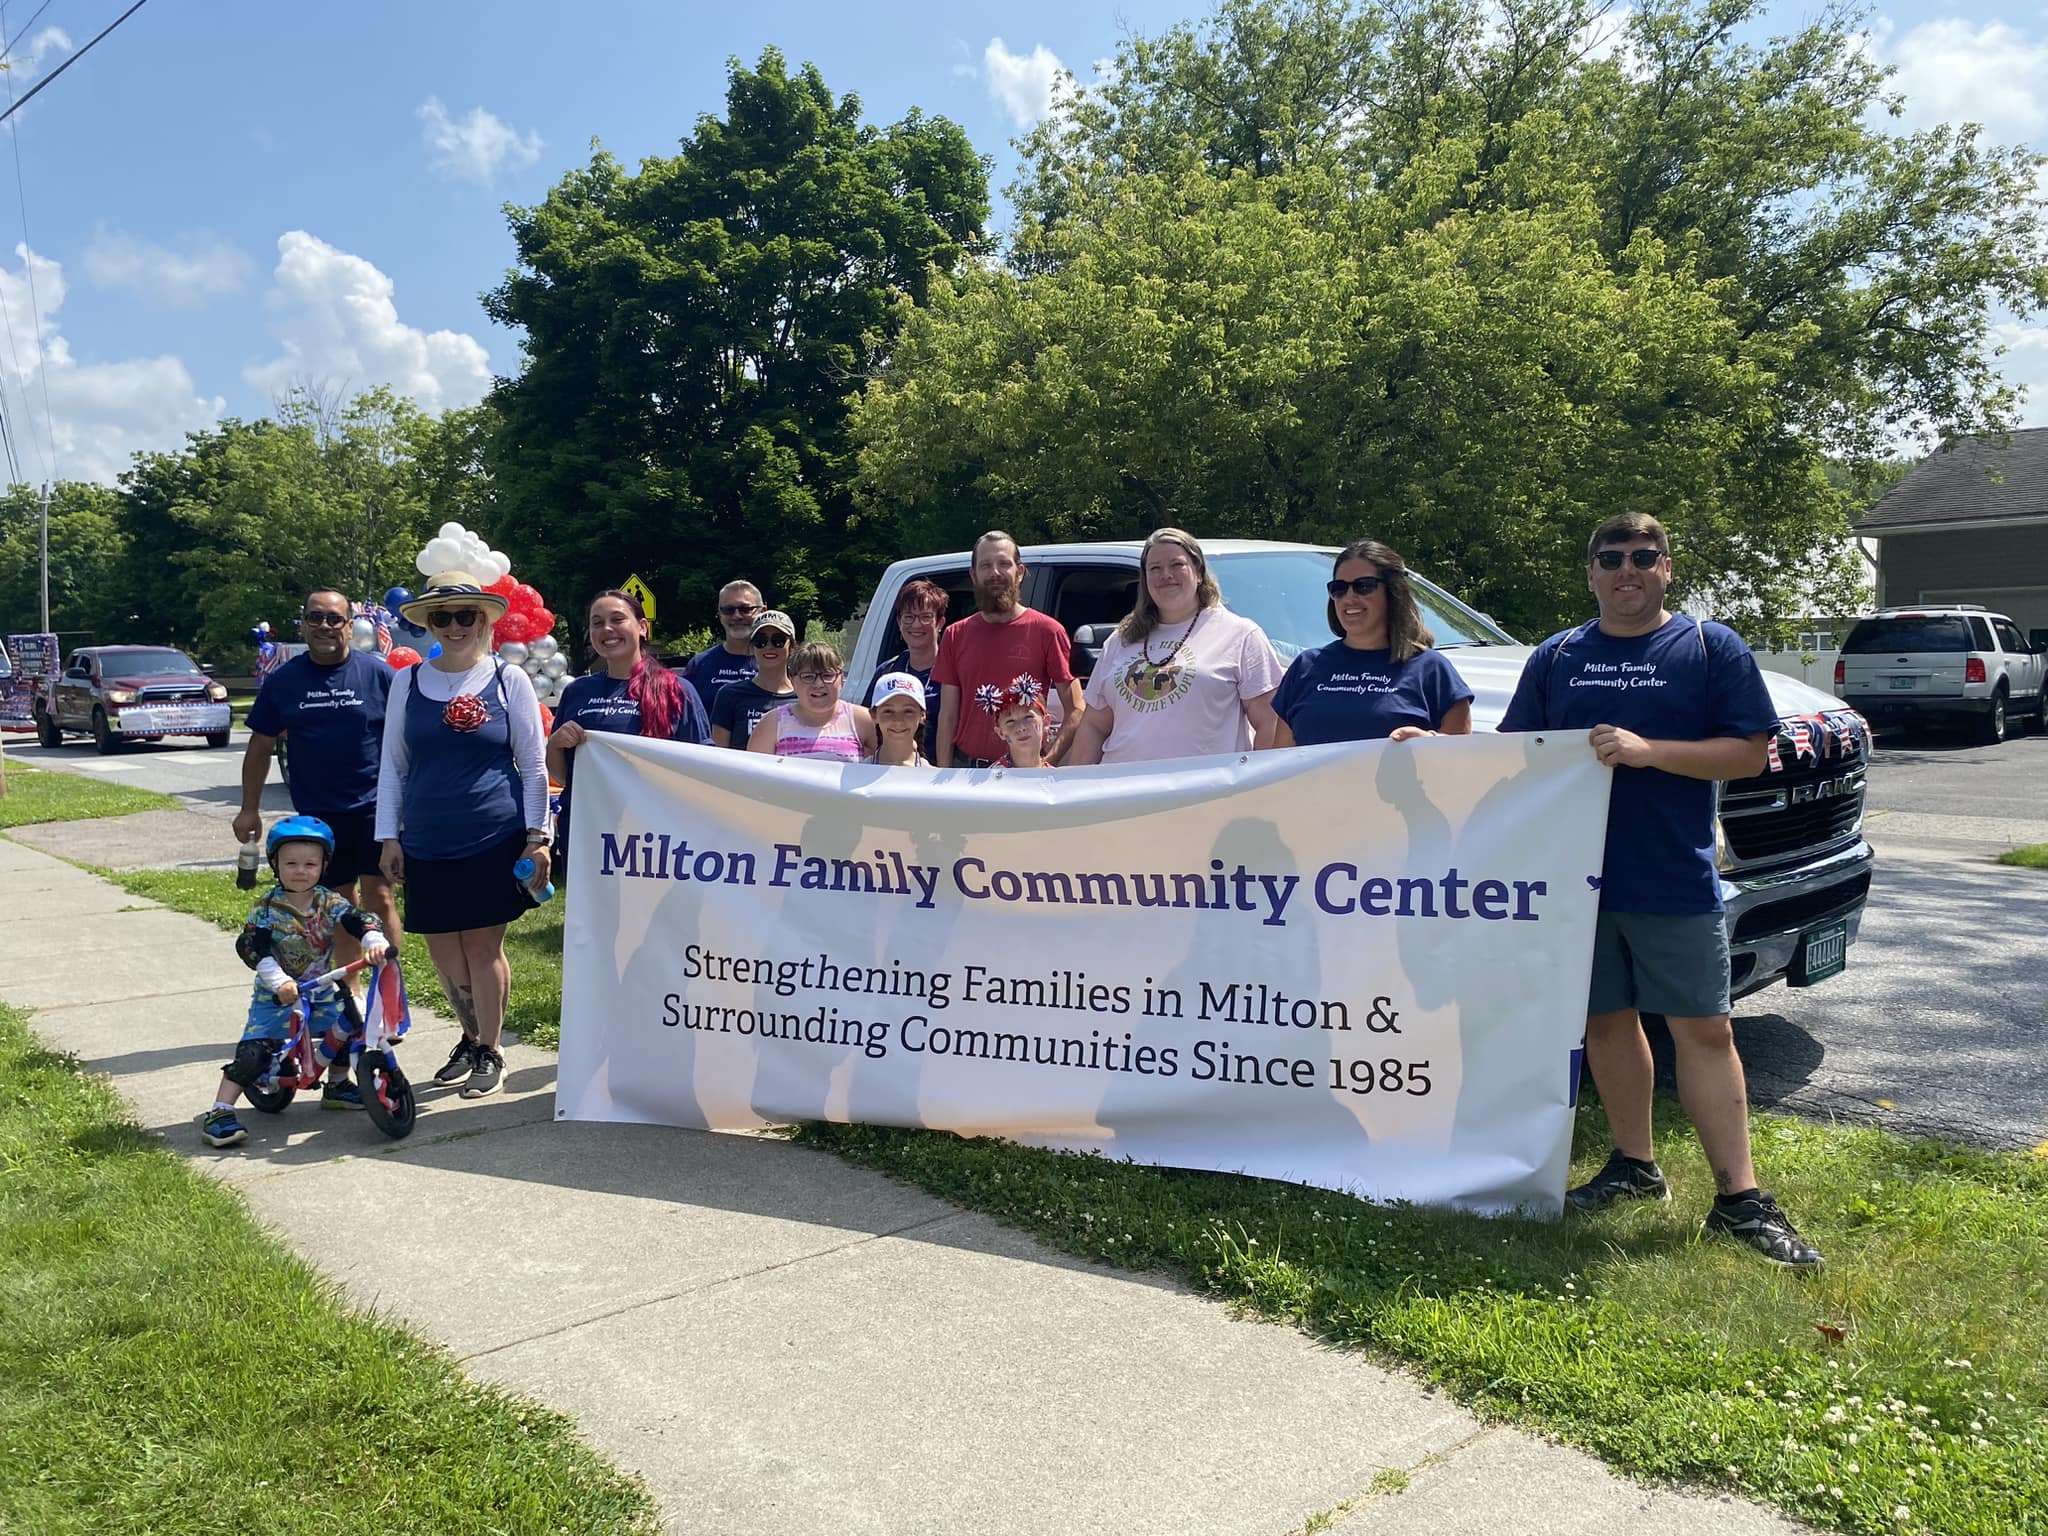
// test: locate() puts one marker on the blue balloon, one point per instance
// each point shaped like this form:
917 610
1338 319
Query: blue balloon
433 650
409 630
397 598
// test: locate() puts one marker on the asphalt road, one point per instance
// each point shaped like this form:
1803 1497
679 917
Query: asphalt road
1939 1026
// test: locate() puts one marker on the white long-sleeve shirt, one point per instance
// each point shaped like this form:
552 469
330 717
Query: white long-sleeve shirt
522 710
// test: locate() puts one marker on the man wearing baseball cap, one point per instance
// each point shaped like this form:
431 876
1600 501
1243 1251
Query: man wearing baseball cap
741 704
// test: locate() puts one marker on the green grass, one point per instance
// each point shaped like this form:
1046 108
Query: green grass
1671 1357
2032 856
1911 1374
167 1368
533 945
38 794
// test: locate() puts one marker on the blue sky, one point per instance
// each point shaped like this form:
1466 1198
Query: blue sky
226 196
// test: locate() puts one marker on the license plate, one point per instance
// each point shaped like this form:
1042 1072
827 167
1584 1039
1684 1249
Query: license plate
1902 682
153 720
1823 952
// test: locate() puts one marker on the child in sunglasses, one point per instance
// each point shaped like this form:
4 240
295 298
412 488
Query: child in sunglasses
1383 680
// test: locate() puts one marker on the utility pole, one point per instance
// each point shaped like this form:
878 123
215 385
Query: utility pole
45 542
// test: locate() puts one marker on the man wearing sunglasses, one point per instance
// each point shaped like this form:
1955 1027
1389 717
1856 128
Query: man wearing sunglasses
1672 704
732 659
332 700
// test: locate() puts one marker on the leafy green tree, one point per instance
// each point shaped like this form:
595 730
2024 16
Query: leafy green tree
1320 268
693 331
89 553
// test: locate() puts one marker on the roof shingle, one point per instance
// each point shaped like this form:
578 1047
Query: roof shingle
1973 479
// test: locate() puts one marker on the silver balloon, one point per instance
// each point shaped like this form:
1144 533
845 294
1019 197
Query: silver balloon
362 635
533 665
544 647
513 653
555 666
544 689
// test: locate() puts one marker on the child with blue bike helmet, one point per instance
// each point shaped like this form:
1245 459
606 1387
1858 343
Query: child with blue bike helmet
290 934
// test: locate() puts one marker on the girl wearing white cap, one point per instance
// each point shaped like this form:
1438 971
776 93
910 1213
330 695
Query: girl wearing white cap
897 703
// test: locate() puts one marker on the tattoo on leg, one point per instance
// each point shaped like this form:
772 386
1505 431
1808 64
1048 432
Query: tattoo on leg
1724 1181
465 1010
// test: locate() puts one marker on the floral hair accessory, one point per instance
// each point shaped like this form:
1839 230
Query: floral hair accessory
1015 697
989 697
465 712
1027 688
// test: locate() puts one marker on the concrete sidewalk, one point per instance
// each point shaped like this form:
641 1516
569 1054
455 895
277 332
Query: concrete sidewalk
778 1342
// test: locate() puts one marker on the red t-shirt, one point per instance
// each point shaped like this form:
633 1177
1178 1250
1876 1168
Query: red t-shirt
982 659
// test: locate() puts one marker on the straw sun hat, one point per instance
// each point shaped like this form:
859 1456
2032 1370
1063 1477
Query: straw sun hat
453 589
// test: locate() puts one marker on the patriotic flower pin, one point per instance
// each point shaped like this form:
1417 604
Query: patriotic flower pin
989 697
465 712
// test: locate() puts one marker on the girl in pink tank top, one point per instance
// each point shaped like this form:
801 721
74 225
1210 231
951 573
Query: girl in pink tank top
817 724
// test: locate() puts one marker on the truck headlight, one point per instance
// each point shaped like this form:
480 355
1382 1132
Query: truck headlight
120 696
216 692
1724 857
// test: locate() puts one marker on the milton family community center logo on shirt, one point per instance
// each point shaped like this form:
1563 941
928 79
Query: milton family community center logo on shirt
1148 685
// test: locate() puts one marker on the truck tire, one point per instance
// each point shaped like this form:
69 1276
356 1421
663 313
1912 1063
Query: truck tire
104 741
1993 729
220 738
48 733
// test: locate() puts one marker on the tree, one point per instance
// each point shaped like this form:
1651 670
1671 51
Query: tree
693 331
1321 268
89 550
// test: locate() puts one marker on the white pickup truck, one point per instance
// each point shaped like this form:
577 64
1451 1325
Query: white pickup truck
1795 869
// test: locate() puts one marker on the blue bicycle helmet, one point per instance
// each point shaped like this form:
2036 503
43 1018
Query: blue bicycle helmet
298 829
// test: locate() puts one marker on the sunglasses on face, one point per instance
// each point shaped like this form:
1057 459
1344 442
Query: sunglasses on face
441 618
324 620
739 610
1641 559
771 642
1364 586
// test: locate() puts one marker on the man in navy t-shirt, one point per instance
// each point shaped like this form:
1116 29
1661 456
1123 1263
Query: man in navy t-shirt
1673 705
331 699
732 660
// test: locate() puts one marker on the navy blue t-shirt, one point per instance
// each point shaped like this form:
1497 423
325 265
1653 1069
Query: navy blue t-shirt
740 708
600 703
336 719
1686 681
1341 694
900 662
709 672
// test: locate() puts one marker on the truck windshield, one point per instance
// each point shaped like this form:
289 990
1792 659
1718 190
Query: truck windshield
1907 634
1283 592
144 663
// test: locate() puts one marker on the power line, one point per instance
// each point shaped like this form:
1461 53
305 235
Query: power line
28 261
7 48
53 74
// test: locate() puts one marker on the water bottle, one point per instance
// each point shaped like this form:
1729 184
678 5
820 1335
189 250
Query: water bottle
247 862
524 872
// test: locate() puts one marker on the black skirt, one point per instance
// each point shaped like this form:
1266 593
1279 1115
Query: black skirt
475 891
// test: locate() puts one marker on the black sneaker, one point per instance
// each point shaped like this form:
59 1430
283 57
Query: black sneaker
459 1061
1754 1219
1622 1179
486 1076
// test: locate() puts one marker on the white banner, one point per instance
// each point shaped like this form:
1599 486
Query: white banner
1360 966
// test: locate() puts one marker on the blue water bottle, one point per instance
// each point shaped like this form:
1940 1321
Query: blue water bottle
524 872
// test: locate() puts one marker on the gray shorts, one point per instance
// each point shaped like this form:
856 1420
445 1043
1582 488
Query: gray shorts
1673 963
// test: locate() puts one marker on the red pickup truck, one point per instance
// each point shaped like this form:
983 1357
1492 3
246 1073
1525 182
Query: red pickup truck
121 693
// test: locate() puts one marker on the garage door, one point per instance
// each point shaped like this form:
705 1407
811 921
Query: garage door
2025 606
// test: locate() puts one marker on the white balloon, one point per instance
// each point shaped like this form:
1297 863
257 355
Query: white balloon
555 666
545 646
514 652
452 531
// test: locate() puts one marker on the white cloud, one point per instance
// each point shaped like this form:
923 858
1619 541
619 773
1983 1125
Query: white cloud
208 268
1022 84
334 316
1956 71
2025 363
475 147
98 413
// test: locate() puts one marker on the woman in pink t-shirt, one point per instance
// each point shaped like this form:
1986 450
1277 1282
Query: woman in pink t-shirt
1183 676
817 723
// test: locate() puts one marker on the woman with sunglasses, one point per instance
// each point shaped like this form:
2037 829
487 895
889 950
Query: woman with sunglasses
461 798
631 694
741 705
1382 680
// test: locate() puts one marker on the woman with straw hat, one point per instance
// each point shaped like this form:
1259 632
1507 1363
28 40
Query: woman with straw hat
461 798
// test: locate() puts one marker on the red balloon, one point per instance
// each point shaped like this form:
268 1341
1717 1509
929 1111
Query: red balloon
544 622
513 626
504 586
525 599
401 656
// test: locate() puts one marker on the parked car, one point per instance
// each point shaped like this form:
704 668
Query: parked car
121 693
1795 870
1945 665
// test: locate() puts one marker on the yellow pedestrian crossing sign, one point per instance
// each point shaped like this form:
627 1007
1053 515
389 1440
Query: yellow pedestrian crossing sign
641 593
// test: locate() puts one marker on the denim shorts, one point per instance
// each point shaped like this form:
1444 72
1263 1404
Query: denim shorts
271 1020
1673 963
